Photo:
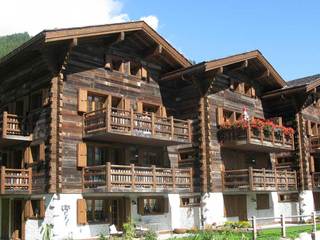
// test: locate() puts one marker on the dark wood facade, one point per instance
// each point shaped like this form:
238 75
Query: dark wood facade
156 122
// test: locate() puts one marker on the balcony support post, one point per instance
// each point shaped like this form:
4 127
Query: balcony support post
276 179
108 117
154 178
261 135
4 124
191 180
189 131
132 120
3 177
264 178
286 175
30 180
133 178
174 179
152 124
172 127
251 178
108 176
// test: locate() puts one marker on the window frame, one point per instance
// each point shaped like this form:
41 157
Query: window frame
196 201
263 201
148 198
290 199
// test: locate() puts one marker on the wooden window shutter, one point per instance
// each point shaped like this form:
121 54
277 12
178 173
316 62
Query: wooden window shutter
219 114
139 106
28 159
82 100
42 208
82 155
81 211
45 96
253 92
140 206
144 73
309 128
311 163
42 152
27 209
127 104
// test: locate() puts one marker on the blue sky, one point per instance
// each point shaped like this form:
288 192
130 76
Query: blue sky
286 32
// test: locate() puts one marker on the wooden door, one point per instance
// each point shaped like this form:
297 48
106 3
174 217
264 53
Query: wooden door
316 197
16 220
4 219
236 206
119 211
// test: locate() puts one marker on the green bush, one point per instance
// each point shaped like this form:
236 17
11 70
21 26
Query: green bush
150 235
129 231
235 225
102 237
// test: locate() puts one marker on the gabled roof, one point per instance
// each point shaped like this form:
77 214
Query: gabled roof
60 35
255 57
300 85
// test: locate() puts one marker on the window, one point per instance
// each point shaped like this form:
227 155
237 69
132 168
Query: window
97 210
36 100
152 205
262 201
190 201
97 155
35 209
288 197
135 69
96 102
150 108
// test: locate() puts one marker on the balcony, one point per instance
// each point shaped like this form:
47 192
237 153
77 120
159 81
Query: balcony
15 181
316 180
131 178
251 138
315 143
12 130
259 180
126 125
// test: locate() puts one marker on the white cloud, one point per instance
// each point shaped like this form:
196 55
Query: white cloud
34 16
152 20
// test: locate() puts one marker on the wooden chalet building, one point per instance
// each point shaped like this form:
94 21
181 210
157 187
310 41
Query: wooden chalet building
104 124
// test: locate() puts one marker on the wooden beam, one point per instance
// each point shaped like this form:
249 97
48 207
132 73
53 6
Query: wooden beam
265 74
242 65
155 51
119 38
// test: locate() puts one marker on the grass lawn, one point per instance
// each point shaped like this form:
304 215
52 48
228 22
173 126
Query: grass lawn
266 234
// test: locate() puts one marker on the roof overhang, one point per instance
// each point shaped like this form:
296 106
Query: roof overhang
303 88
70 34
222 63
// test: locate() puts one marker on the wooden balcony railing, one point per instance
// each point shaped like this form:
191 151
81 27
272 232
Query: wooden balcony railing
114 178
12 125
15 181
257 137
316 180
259 180
129 122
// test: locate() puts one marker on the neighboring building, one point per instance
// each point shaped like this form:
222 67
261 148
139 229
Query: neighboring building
108 123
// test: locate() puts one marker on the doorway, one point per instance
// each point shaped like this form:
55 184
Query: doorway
236 206
12 219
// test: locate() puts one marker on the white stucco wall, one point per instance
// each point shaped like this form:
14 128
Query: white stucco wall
213 208
61 211
306 202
